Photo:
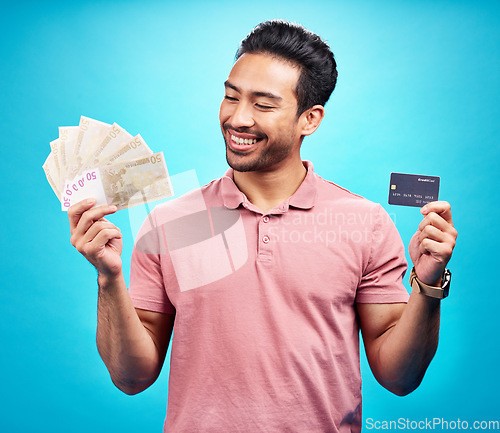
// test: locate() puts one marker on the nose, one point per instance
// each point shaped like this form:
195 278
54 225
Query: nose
242 116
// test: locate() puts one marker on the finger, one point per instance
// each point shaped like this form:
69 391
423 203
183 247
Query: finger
433 233
93 231
91 216
76 211
443 208
440 250
437 221
96 246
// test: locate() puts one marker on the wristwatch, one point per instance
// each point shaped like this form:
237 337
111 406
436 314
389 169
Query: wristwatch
432 291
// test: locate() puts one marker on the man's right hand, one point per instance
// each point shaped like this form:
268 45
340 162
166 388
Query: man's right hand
97 239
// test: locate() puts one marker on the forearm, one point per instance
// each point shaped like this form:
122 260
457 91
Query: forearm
124 344
404 351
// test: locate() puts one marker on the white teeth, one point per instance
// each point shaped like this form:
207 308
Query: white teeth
243 140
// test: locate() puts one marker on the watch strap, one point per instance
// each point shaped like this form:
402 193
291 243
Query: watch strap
432 291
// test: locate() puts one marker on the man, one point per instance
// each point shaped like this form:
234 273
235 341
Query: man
267 303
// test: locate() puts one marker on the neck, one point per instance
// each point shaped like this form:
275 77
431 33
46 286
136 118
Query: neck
266 189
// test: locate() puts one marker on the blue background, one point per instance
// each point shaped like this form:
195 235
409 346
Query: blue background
418 92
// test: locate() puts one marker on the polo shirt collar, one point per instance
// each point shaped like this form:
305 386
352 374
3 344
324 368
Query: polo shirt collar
303 198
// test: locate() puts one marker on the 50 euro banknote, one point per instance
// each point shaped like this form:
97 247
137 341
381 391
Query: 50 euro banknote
124 184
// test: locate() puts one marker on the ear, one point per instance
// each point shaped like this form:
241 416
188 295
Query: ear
311 119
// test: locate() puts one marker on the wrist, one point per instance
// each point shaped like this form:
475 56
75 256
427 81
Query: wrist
436 283
108 280
439 290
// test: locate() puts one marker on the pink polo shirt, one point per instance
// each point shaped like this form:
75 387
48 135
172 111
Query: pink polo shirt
265 336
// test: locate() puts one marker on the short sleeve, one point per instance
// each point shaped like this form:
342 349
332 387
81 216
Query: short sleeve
382 279
147 288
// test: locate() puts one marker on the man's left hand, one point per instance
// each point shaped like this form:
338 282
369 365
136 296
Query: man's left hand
432 245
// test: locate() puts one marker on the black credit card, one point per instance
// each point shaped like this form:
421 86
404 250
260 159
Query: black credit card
413 189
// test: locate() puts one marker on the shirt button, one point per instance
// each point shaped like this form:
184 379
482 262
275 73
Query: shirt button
265 219
266 239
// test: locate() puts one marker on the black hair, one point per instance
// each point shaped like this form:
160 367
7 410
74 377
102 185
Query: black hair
292 42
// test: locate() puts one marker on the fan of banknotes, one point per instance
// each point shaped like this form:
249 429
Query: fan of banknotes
103 161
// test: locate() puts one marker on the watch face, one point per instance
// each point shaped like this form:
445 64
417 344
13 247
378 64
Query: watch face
446 279
446 283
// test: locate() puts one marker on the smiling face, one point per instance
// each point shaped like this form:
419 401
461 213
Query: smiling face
258 114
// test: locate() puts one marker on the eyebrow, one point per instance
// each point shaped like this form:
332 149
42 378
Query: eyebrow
254 93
